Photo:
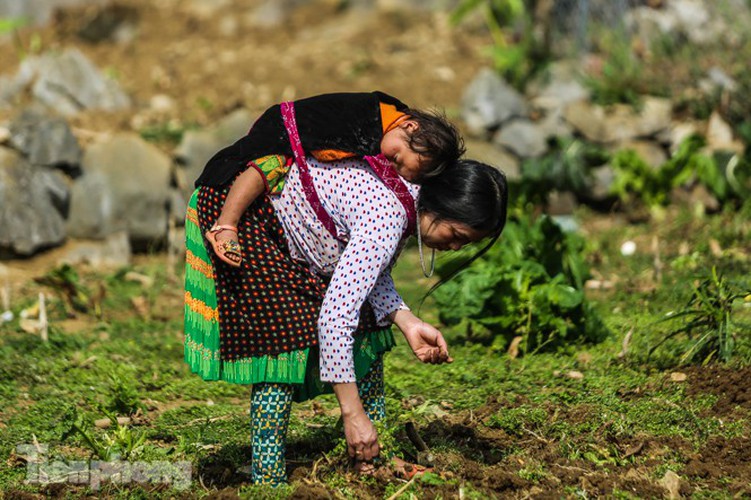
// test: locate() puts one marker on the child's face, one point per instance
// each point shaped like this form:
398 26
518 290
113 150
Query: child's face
395 147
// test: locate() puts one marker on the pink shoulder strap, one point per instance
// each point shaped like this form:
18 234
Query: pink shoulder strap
383 169
380 165
309 189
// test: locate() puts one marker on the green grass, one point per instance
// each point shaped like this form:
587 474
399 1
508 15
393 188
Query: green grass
487 411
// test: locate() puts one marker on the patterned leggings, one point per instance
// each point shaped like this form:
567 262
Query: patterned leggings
270 407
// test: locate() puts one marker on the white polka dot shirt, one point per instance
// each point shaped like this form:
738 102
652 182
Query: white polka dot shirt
372 221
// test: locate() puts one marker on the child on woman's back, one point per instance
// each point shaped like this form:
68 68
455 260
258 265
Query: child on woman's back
332 127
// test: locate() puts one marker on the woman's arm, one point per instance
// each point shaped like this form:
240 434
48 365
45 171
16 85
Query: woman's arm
426 341
361 435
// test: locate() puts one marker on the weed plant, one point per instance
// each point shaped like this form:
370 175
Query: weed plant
708 320
529 285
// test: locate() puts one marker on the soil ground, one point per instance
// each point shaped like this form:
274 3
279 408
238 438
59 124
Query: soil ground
210 68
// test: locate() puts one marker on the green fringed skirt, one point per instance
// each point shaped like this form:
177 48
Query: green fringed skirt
225 352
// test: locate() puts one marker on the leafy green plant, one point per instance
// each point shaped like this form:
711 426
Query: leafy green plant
122 443
520 48
635 179
566 168
170 132
123 397
530 284
75 295
726 176
707 320
9 25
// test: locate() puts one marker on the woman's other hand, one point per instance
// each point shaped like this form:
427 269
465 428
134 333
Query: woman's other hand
361 434
426 341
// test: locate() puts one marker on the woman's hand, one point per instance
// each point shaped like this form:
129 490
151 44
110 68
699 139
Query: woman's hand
426 341
361 434
362 437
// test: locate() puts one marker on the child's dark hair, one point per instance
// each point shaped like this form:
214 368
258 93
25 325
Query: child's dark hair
437 139
469 192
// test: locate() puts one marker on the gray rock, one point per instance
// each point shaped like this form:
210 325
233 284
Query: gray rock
489 101
125 186
57 186
178 205
678 132
29 218
523 138
717 79
68 83
588 119
602 182
198 146
45 140
561 88
696 20
39 12
620 123
720 135
487 152
9 92
553 124
113 251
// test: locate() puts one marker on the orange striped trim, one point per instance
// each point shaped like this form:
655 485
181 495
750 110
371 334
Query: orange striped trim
198 306
199 264
192 215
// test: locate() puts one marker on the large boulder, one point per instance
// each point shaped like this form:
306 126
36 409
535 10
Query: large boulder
45 140
125 186
620 123
198 146
33 201
489 101
491 154
698 21
523 138
560 86
67 82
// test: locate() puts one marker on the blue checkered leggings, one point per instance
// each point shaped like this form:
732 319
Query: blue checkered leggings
270 407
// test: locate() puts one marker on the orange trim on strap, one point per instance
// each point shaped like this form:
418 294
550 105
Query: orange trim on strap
390 117
330 154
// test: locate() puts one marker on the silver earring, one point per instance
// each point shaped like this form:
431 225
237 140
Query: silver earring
422 258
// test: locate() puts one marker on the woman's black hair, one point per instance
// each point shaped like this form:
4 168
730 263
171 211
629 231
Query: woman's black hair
469 192
436 139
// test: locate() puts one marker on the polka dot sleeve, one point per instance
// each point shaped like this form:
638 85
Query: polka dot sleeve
384 299
355 276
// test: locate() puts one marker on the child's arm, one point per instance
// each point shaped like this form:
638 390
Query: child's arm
247 187
223 235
